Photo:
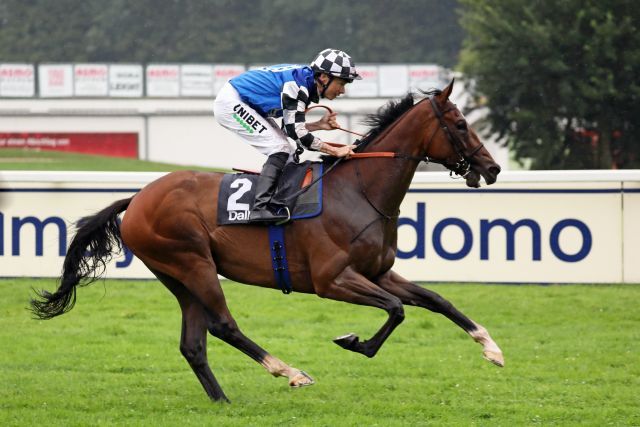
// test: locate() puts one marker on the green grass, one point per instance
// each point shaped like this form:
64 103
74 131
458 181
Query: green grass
29 159
571 354
571 359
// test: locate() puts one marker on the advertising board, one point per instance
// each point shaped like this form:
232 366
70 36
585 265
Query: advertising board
163 80
425 77
393 80
368 87
534 228
631 227
196 80
125 81
534 233
91 80
37 213
17 80
222 73
115 144
55 80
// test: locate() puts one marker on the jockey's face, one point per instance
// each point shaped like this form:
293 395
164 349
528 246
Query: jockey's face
336 87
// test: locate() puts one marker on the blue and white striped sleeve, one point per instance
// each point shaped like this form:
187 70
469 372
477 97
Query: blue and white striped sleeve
295 100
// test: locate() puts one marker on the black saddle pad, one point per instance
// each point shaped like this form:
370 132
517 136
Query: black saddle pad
237 192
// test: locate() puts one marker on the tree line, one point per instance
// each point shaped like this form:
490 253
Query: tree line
559 78
222 31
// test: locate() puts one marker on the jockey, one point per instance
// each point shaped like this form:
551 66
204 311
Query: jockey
247 103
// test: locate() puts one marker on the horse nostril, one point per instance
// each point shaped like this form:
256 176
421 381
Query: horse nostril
494 170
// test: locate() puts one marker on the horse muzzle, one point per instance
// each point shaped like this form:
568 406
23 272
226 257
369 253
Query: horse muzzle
489 173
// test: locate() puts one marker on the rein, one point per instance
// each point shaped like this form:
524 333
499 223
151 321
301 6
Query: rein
389 154
331 111
462 167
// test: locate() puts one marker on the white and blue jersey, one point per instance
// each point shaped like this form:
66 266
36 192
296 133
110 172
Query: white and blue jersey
285 91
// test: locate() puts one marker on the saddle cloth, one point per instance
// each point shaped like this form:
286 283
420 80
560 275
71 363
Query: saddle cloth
237 192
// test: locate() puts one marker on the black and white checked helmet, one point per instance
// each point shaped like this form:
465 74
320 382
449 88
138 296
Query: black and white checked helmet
336 63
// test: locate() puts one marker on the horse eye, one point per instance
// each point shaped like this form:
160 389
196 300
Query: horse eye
461 126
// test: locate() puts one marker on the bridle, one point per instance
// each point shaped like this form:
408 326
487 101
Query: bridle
461 167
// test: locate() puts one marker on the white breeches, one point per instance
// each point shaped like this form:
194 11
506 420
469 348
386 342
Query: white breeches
233 114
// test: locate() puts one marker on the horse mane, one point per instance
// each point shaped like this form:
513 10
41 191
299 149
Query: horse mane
385 116
390 112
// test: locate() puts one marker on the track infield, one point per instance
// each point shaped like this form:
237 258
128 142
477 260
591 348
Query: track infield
571 359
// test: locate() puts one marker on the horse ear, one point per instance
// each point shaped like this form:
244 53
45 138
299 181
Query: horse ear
446 92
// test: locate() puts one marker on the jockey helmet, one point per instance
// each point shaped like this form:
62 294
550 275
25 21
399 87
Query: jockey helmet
335 63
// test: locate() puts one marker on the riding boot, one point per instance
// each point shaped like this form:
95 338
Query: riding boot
264 210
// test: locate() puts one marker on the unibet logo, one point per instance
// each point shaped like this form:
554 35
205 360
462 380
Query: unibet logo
247 120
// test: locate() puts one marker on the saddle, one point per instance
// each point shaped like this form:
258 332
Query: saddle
295 189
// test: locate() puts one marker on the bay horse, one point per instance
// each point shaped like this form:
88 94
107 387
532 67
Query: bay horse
345 254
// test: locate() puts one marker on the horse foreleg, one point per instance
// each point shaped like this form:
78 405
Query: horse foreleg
412 294
354 288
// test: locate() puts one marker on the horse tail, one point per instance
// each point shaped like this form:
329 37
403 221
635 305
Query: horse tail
97 237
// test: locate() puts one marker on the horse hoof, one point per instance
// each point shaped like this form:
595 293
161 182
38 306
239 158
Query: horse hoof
301 379
348 341
494 357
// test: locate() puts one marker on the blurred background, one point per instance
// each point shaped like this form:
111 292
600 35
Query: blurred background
100 97
550 85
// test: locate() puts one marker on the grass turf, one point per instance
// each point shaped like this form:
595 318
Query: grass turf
29 159
571 359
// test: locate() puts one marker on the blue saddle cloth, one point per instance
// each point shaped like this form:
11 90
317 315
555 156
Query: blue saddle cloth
237 191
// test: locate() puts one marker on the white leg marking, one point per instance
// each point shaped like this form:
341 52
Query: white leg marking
490 349
278 368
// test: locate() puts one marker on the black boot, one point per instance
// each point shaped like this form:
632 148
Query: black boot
263 210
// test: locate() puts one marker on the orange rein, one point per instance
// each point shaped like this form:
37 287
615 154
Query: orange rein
365 155
354 155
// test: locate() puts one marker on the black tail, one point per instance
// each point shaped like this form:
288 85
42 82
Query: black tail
97 237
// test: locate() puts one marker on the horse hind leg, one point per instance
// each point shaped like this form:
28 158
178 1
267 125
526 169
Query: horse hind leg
412 294
222 325
193 339
228 332
201 281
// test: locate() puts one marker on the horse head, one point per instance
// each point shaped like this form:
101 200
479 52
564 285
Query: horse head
456 145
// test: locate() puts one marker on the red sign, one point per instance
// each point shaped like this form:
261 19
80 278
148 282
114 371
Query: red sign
113 144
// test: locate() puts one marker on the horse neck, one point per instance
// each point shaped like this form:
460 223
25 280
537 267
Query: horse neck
392 177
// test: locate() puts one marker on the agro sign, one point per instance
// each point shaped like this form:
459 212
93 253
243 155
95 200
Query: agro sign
91 80
17 80
163 80
222 73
